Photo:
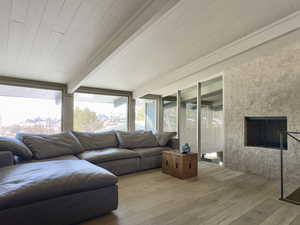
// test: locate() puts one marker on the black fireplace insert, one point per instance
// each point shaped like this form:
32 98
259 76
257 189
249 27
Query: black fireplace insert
265 131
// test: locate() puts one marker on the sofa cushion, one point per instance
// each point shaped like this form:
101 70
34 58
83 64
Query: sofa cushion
92 141
48 146
148 152
31 182
64 157
109 154
133 140
121 166
164 137
16 147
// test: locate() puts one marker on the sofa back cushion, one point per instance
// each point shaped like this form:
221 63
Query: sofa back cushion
94 141
164 137
131 140
47 146
16 147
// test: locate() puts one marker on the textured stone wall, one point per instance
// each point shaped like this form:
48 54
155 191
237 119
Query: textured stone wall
266 86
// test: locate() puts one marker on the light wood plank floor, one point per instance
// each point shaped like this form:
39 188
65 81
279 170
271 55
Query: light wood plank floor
217 196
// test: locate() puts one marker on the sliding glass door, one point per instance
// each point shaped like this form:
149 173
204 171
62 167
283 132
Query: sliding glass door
200 119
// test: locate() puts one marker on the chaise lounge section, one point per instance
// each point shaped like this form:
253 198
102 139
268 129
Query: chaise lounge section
55 192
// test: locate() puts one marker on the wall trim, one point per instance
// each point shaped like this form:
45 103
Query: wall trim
275 30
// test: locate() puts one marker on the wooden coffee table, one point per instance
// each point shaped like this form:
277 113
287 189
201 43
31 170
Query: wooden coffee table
180 165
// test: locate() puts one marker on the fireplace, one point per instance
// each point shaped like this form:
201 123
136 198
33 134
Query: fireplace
265 132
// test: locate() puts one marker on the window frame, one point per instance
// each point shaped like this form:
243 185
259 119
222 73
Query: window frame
17 82
110 92
156 102
68 98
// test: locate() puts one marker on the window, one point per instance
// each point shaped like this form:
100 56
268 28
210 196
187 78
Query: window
95 112
169 113
29 110
145 114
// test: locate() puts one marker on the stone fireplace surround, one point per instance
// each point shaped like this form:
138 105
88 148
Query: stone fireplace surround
266 86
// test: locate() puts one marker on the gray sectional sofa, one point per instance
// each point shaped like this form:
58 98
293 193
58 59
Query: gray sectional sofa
69 177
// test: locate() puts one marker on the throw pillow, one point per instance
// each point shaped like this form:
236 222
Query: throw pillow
16 147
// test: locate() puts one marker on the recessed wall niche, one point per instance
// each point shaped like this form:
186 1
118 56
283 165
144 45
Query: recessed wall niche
265 132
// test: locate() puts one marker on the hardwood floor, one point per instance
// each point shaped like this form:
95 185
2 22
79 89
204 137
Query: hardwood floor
218 196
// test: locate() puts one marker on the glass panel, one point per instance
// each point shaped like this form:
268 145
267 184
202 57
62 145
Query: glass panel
188 118
145 114
212 126
29 110
93 112
169 113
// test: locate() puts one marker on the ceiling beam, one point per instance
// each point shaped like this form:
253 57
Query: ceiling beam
184 76
151 12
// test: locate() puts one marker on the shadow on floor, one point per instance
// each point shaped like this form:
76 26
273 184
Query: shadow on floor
109 219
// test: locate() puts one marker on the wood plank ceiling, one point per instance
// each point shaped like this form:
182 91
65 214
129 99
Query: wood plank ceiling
55 40
192 30
51 40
